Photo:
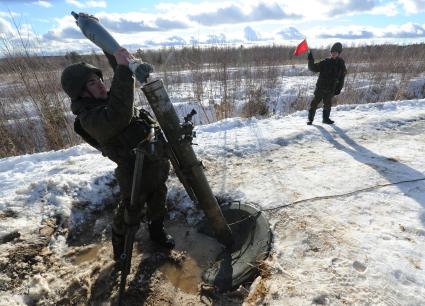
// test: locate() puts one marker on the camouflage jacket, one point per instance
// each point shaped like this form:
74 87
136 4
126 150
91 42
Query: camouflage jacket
115 124
331 74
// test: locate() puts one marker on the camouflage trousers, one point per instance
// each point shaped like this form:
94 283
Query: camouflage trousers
320 96
153 192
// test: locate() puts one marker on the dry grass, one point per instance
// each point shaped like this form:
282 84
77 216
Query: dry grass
35 114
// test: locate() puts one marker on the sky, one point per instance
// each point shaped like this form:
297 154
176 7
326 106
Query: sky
153 24
346 204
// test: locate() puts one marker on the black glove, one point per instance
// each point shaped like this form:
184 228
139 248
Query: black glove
310 56
143 71
337 91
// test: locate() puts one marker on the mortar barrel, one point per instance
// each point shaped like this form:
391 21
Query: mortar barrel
192 168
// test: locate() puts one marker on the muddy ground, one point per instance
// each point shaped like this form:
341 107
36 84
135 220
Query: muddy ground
82 272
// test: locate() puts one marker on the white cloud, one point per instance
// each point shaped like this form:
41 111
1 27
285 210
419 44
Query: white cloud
169 24
413 6
184 7
19 39
63 34
216 39
349 33
5 27
9 14
96 4
290 33
325 9
128 27
229 12
169 41
222 22
140 22
344 7
388 9
184 16
75 3
43 3
87 4
250 34
408 30
66 29
234 13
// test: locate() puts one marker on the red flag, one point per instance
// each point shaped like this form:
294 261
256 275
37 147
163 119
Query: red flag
301 48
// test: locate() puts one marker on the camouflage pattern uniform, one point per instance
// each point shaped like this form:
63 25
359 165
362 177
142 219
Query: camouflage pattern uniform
117 127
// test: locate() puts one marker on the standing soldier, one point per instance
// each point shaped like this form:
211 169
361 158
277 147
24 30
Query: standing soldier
109 121
329 84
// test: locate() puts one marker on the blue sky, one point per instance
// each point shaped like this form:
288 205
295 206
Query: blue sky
150 24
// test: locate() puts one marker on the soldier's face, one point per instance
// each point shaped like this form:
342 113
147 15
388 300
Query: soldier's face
95 88
334 54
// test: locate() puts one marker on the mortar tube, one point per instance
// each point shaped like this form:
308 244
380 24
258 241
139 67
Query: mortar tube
167 117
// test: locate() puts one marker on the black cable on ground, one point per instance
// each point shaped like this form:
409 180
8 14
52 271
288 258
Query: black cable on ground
342 194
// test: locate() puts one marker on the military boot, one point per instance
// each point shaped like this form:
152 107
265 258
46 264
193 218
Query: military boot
159 235
326 114
311 114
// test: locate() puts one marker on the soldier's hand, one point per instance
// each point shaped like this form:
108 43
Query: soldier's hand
143 72
87 15
310 55
122 56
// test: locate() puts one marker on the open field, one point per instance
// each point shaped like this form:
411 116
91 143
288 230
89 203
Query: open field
218 82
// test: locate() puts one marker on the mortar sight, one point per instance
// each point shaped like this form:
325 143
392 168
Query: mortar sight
187 127
190 115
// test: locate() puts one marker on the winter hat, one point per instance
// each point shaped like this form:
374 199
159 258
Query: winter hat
337 47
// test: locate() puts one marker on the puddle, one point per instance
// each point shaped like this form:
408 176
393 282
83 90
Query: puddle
87 254
186 277
200 250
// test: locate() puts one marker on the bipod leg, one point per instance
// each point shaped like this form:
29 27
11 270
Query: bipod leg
126 259
131 218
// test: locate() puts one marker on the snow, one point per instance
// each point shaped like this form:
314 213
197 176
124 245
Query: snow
50 183
346 202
